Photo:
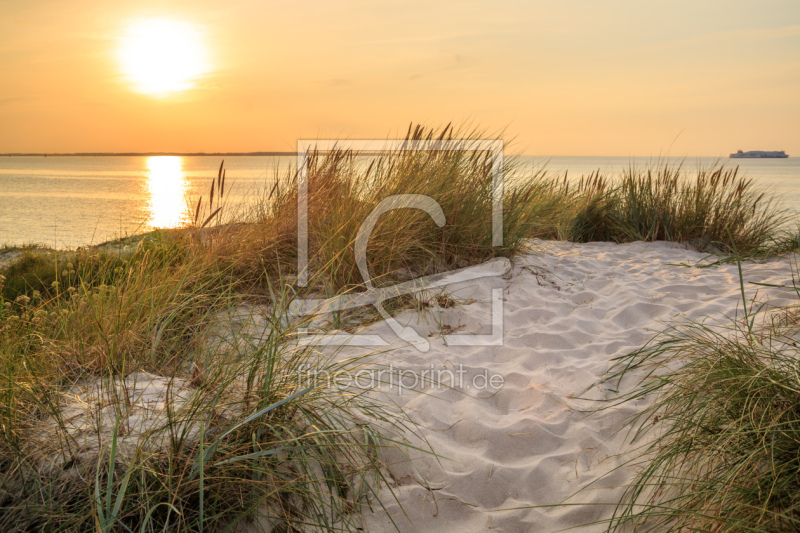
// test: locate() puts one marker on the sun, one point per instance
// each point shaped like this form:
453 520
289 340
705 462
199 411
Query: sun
160 57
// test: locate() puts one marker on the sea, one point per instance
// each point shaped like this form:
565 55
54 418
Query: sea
74 201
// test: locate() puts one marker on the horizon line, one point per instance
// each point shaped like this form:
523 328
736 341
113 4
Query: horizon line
130 154
289 153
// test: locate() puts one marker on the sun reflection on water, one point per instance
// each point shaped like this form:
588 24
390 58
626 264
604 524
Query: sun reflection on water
167 186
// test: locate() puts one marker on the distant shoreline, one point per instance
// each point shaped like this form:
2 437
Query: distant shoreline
139 154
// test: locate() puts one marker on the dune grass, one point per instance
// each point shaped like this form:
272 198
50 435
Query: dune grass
344 187
715 209
236 434
719 447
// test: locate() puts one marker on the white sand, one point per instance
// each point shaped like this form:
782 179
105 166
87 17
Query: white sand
136 406
567 313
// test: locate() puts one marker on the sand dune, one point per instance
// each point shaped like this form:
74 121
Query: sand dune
568 311
512 439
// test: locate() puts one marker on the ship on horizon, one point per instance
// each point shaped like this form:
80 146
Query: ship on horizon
759 154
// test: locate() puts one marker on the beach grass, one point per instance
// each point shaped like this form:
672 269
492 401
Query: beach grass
236 432
344 187
714 209
718 449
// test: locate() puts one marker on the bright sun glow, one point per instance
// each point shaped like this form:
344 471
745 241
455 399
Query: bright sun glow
162 56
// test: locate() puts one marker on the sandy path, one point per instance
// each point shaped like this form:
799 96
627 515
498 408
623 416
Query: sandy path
568 310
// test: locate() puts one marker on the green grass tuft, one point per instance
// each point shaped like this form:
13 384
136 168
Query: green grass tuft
719 447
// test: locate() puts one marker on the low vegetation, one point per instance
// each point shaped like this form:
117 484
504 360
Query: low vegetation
344 187
719 447
136 395
715 209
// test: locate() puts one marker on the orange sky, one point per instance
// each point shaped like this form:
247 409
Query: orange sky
562 78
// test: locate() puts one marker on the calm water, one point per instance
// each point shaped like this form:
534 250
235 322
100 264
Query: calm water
75 201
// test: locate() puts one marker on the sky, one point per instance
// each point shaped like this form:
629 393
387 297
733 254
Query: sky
614 77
